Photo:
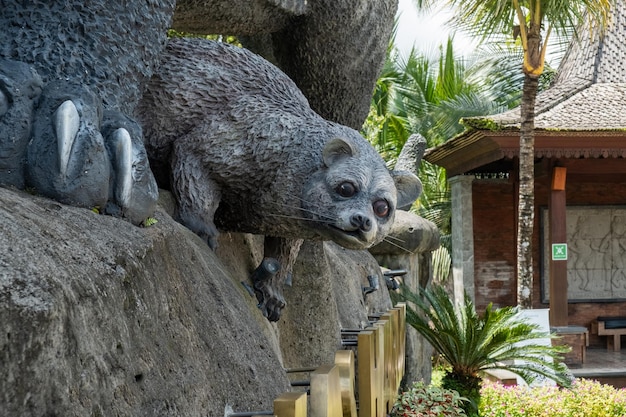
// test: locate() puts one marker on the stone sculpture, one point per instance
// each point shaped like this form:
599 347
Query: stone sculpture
332 49
246 149
72 74
93 58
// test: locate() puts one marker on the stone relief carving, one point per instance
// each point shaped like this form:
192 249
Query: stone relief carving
596 265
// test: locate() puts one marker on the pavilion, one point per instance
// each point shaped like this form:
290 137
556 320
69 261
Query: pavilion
580 190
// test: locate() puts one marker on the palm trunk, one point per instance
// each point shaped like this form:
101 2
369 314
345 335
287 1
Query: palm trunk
526 208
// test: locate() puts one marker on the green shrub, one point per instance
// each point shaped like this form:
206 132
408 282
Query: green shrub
428 401
586 398
470 343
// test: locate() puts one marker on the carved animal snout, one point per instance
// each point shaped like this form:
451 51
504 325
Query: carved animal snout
361 222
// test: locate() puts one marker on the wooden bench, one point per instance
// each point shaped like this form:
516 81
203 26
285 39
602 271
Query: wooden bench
610 326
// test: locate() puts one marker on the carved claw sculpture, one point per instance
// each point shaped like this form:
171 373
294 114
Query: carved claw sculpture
67 159
82 149
134 191
268 289
71 161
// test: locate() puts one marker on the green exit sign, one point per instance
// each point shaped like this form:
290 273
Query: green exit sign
559 251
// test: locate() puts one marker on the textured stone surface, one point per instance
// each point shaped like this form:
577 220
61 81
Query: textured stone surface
409 234
103 318
408 247
326 298
335 53
240 17
333 50
96 42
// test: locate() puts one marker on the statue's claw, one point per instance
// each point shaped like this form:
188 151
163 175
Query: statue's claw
134 191
83 156
268 291
67 159
66 123
123 149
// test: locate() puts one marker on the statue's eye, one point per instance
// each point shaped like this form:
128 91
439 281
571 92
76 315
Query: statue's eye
346 189
381 208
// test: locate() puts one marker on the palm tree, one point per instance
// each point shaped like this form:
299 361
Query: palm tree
472 344
429 97
532 21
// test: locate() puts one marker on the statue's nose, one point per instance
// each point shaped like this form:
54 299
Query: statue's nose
361 221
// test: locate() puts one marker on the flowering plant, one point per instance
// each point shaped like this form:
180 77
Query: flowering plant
585 398
428 401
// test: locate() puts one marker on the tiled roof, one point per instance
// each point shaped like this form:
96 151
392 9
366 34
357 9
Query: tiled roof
589 92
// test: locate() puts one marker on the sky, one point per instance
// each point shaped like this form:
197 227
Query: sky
426 30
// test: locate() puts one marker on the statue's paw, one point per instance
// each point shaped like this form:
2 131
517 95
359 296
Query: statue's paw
66 158
133 189
202 227
268 289
20 87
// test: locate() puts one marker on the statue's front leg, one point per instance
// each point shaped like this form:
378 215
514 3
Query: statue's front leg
274 271
66 157
134 192
20 88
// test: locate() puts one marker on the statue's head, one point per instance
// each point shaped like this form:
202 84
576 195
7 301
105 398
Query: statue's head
353 199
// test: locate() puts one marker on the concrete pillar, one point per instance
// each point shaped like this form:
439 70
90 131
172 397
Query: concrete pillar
462 236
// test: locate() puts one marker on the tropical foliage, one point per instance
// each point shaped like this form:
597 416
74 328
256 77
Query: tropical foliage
418 94
532 22
472 344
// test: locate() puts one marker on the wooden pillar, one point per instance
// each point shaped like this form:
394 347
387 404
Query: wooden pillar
558 235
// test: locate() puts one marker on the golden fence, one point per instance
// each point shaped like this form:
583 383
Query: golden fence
379 365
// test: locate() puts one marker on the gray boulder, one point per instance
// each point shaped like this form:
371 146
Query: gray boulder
102 319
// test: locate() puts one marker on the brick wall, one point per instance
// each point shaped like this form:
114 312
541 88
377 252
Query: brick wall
494 204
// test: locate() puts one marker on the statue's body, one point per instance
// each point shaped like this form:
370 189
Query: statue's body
245 140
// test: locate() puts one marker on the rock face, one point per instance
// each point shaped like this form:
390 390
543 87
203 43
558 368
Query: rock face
408 247
103 318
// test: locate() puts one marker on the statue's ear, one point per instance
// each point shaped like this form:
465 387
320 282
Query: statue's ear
409 187
336 149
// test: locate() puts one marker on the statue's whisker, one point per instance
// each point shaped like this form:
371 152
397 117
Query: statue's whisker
397 239
321 215
397 245
302 218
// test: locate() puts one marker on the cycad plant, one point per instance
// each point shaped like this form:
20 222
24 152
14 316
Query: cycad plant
472 343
